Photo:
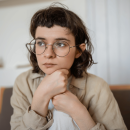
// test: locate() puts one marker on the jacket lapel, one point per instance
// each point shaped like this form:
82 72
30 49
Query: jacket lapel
78 86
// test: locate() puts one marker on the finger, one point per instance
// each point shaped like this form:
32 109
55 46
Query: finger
66 74
65 71
66 77
56 96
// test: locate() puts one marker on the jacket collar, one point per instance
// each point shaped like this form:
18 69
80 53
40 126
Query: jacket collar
76 82
79 82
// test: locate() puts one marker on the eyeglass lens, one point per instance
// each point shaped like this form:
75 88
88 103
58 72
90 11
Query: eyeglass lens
60 48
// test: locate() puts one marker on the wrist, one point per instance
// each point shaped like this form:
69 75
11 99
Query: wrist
84 119
41 110
78 110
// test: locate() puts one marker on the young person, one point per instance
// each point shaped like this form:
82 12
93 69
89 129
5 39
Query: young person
58 93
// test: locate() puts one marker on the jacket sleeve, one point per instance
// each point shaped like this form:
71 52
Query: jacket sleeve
103 108
23 118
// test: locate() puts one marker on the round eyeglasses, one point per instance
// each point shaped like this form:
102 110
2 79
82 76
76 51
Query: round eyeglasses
60 48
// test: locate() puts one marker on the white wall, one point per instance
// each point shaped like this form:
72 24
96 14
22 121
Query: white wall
108 24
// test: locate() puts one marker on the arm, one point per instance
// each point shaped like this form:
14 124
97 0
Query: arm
83 118
103 107
23 118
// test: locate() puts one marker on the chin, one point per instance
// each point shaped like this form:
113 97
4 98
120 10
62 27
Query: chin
48 71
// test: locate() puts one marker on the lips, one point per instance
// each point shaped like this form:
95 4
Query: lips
49 65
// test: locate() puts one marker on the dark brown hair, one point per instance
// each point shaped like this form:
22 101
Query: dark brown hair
61 16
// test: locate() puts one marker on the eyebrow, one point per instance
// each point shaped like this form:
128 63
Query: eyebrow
60 38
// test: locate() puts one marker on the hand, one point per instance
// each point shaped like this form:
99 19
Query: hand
67 102
70 104
50 86
54 83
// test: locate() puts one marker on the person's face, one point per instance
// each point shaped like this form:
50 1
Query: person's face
51 35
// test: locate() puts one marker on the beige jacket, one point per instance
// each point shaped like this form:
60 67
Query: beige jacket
93 92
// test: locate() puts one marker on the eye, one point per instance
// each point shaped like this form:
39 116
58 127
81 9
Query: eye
40 43
60 44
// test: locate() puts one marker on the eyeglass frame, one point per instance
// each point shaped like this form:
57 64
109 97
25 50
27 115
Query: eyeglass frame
46 47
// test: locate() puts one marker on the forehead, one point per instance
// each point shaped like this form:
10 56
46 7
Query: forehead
53 32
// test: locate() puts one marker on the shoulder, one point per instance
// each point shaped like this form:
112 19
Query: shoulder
24 81
94 78
97 89
97 92
96 83
24 75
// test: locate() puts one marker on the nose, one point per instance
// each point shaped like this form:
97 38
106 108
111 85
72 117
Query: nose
49 53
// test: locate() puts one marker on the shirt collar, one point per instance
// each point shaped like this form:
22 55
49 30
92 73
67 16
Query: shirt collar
76 82
37 75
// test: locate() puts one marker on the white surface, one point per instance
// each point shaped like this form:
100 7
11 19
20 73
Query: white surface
109 25
8 76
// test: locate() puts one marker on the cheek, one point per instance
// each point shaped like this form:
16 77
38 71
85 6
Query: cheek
62 62
68 60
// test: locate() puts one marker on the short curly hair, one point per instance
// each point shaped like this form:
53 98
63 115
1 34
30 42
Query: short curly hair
61 16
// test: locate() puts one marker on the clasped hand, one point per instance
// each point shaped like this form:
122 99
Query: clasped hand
66 102
53 87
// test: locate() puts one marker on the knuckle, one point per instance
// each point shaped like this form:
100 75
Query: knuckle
63 90
63 78
63 83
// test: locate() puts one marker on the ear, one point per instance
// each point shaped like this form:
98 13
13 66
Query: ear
83 47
